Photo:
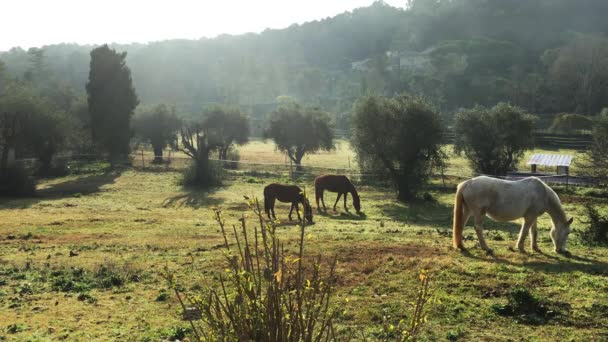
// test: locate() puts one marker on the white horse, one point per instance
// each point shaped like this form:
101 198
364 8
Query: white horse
503 200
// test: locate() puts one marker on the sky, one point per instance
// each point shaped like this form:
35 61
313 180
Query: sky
34 23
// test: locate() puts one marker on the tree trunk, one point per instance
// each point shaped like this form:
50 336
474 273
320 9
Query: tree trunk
4 160
45 165
223 153
405 193
158 154
203 174
298 162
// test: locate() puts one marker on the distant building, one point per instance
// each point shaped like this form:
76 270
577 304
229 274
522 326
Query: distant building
410 61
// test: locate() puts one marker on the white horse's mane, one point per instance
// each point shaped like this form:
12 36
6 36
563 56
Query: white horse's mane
554 205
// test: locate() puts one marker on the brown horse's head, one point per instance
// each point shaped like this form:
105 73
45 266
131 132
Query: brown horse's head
307 211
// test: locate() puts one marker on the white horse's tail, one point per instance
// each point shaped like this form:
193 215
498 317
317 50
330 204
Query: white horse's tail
459 216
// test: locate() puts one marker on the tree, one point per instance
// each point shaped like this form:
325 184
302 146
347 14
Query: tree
399 136
298 130
571 123
596 158
111 99
45 133
159 127
226 126
493 140
579 74
195 143
17 105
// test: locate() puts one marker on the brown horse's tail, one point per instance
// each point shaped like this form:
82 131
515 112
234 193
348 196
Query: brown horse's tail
459 217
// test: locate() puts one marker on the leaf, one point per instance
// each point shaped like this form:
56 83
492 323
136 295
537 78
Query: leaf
278 276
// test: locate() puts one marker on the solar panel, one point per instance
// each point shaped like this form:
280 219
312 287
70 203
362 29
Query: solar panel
550 160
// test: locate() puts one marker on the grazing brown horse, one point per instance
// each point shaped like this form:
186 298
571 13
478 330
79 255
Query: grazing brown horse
288 194
336 183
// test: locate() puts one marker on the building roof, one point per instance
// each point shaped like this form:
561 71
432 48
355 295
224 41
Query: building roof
550 160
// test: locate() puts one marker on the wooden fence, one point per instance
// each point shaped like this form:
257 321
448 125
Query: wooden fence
547 140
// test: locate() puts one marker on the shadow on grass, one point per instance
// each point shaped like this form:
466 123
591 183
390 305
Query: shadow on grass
441 216
193 198
428 212
342 216
552 264
86 185
83 185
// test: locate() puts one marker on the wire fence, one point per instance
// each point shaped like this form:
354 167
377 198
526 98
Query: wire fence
177 162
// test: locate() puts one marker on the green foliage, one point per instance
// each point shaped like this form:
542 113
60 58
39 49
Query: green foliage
493 139
411 329
596 232
265 293
298 130
195 175
226 127
112 100
571 123
16 328
399 137
579 74
596 158
195 143
159 127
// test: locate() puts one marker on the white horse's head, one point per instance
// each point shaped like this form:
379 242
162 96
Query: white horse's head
559 235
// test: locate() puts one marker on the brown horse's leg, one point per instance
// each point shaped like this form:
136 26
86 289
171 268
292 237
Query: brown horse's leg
272 208
318 193
337 199
290 211
345 195
298 211
323 202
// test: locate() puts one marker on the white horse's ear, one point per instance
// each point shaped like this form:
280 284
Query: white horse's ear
570 221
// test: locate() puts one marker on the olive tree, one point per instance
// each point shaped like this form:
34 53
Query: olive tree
298 130
227 126
159 127
400 137
493 139
195 143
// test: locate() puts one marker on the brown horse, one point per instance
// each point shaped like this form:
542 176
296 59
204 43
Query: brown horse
341 185
288 194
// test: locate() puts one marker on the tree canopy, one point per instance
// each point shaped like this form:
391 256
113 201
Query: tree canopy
493 139
112 100
298 130
458 52
157 126
398 136
226 126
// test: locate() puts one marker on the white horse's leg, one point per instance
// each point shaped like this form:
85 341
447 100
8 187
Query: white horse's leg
479 231
534 236
525 228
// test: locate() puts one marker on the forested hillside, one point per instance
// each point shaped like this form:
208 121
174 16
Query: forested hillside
547 56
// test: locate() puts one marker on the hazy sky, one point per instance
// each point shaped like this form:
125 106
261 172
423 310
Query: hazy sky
28 23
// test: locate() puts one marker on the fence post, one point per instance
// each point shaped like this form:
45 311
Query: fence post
143 165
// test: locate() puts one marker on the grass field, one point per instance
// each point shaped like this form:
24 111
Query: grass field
84 259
